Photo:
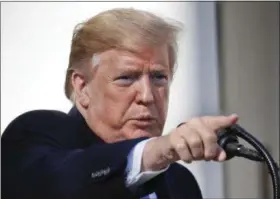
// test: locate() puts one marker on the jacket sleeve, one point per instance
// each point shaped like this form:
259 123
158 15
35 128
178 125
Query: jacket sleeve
37 167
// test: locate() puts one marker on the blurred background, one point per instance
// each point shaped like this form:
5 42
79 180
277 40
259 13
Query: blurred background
228 63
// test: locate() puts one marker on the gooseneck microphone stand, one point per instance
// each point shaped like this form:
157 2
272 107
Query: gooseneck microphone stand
228 140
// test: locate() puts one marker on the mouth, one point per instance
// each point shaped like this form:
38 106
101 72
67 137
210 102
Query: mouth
144 122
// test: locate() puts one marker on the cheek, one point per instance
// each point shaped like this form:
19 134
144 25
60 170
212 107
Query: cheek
161 102
116 102
100 105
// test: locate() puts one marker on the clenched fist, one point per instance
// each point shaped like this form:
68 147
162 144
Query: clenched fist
195 139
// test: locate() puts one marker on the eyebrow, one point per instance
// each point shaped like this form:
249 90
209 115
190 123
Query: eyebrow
157 65
136 70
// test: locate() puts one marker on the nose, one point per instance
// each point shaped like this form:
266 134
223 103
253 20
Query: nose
145 93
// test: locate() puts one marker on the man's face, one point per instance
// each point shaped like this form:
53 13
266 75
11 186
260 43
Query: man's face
128 95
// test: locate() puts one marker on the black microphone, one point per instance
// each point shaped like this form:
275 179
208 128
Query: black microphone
229 142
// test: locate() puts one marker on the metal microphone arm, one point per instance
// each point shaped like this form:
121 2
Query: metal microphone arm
229 142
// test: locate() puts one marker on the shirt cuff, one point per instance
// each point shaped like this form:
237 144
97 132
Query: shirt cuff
134 175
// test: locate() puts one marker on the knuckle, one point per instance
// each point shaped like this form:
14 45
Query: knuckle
187 159
185 155
211 153
198 154
180 146
194 142
210 137
181 133
177 143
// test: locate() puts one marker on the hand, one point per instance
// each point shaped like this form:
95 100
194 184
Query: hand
196 139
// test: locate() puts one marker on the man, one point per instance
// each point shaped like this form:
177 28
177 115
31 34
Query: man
110 144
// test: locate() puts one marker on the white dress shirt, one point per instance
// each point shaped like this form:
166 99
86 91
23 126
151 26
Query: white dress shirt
134 175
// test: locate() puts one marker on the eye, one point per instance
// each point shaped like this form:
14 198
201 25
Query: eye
159 78
125 79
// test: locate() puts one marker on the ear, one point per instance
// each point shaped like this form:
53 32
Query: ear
80 89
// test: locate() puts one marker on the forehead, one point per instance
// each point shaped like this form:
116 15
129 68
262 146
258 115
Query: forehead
151 56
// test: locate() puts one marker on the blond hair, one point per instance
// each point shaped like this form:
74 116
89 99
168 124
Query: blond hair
122 28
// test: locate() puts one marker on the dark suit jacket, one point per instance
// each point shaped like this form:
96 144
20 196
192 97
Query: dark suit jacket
49 154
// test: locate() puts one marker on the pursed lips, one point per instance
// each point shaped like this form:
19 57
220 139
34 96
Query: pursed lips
144 121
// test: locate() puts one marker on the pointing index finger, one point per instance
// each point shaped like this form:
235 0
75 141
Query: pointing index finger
219 122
